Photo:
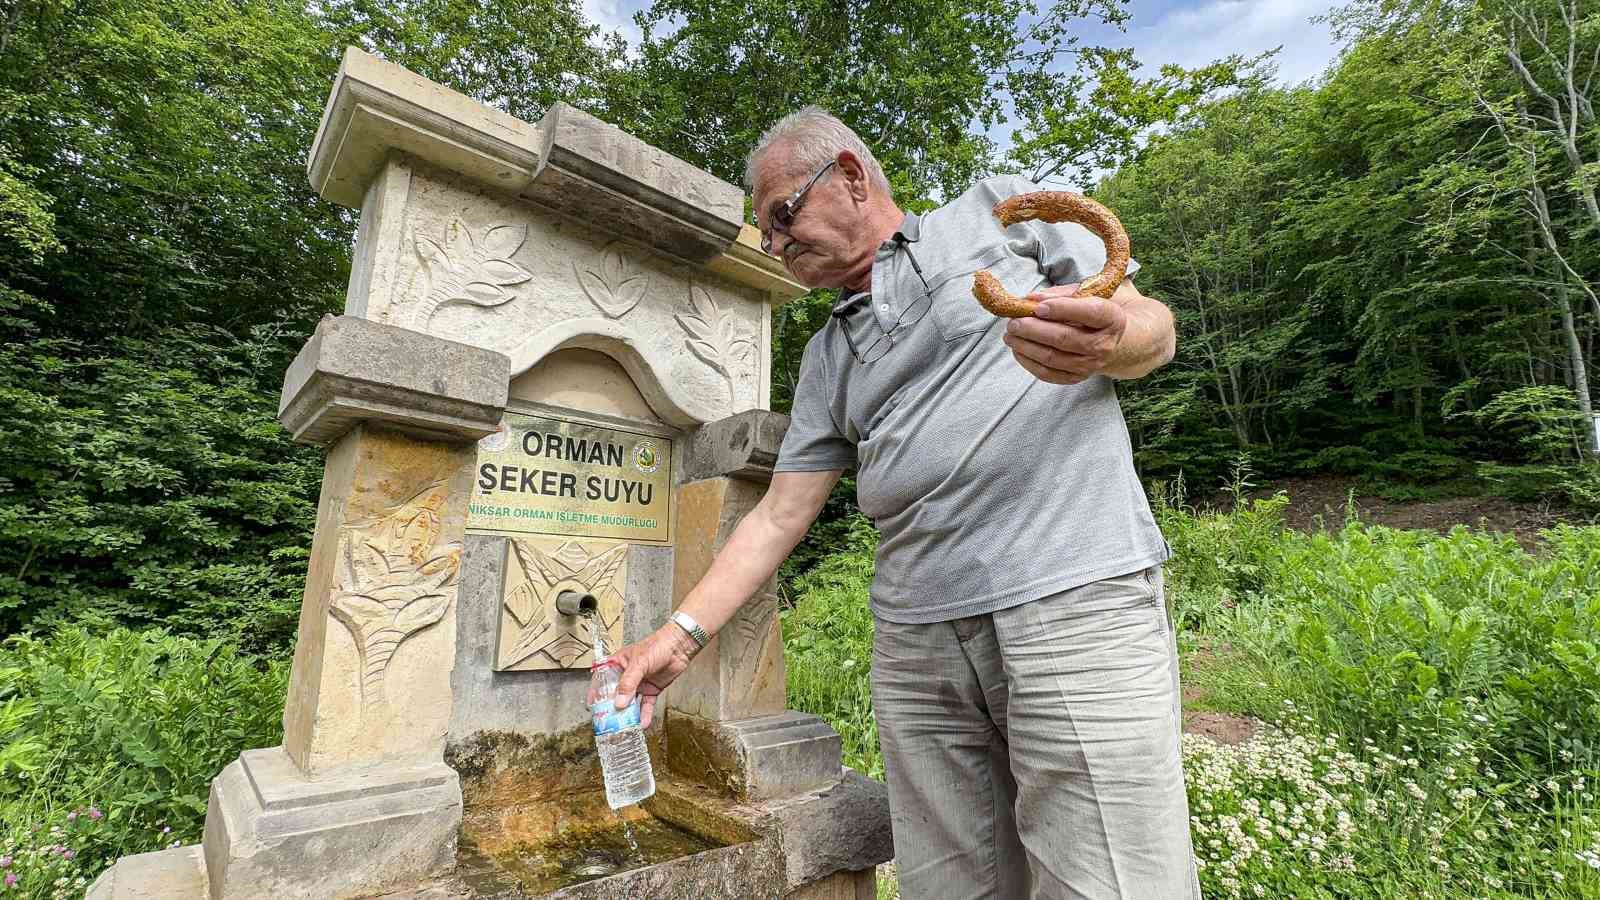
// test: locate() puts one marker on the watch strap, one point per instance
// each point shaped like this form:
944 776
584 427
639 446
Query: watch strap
687 623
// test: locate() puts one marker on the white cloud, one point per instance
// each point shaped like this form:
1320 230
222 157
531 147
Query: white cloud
1195 35
615 15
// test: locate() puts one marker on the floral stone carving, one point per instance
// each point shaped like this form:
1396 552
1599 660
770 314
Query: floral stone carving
463 268
751 627
610 285
395 579
534 635
713 336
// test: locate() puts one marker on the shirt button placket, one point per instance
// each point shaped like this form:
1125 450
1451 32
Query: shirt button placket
880 297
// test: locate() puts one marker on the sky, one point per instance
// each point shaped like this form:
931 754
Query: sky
1194 33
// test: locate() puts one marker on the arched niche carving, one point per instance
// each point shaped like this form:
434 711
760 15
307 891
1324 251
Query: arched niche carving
583 379
649 370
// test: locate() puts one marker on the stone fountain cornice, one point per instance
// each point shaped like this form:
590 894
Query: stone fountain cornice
569 161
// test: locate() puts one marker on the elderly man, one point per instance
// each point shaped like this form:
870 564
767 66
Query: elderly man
1024 670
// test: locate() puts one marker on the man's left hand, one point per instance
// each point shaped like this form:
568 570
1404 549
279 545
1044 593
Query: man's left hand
1068 338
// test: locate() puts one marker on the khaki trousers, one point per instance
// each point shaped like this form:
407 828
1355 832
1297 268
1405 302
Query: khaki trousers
1034 752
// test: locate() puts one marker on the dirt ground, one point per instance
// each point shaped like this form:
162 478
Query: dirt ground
1318 503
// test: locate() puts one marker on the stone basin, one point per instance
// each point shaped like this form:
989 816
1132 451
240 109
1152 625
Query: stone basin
573 848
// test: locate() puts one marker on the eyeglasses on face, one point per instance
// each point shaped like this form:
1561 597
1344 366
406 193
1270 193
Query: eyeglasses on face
783 215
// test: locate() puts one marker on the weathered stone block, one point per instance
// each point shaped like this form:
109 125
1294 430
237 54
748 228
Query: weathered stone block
377 108
744 446
756 759
593 170
533 703
376 644
786 754
740 674
272 833
843 828
175 874
353 370
861 885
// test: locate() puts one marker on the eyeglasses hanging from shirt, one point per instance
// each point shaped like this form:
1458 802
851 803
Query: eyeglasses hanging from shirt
908 316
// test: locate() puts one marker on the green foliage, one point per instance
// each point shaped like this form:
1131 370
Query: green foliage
1218 560
924 81
108 744
148 481
1357 272
1543 420
1436 701
828 634
1293 814
1422 643
517 55
168 140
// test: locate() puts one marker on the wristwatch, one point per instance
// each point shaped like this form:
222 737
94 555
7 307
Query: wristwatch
687 623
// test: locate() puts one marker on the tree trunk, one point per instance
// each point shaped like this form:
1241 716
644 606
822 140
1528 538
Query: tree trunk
1241 424
1580 374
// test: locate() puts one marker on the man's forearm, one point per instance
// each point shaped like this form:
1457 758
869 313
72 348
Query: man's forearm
758 545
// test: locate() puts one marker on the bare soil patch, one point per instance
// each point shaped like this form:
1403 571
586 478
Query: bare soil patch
1224 728
1319 503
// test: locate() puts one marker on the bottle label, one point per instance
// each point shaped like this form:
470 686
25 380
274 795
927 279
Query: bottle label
610 720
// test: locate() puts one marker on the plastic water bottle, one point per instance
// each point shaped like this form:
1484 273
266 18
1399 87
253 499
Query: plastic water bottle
624 758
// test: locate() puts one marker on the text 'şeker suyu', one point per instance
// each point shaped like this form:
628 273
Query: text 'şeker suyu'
494 478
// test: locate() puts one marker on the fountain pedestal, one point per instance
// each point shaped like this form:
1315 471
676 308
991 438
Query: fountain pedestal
551 377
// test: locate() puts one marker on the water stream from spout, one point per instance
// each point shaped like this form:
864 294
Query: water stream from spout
602 650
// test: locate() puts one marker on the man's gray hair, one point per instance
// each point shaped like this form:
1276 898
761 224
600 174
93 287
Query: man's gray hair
812 136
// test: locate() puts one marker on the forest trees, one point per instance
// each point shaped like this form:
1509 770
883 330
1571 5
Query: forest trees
1391 272
162 255
1370 272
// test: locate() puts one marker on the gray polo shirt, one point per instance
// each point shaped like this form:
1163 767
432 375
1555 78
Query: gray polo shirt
988 487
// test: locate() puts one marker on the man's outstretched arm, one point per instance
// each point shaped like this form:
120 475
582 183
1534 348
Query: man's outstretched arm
763 539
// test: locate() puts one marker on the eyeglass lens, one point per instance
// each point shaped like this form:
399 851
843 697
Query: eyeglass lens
907 317
783 216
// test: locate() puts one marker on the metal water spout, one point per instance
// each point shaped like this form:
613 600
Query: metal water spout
576 603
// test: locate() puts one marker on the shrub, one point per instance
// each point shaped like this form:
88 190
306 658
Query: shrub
1217 559
147 482
1416 639
108 744
1292 814
828 646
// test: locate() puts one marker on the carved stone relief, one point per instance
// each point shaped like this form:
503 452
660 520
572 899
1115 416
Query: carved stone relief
520 280
465 268
395 579
714 337
534 635
611 282
752 626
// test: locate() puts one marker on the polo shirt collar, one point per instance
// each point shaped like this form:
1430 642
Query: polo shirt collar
910 230
910 227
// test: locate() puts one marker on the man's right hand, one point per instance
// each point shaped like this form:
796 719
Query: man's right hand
648 666
749 560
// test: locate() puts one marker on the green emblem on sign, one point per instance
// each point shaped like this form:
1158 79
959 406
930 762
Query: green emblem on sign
644 457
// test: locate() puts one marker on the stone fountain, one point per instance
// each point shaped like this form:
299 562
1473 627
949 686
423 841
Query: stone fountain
551 378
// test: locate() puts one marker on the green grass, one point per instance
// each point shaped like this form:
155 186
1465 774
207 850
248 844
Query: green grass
108 744
1433 703
1434 706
